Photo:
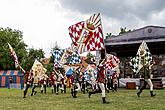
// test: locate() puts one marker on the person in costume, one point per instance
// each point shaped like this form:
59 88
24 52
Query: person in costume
44 83
115 81
75 82
27 82
145 73
100 80
53 79
35 83
60 82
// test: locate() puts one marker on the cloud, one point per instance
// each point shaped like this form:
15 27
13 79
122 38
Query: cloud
44 22
116 8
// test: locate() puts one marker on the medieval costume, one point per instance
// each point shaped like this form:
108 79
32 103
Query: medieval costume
27 82
146 74
101 80
53 79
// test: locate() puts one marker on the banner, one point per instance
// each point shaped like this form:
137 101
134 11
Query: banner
87 35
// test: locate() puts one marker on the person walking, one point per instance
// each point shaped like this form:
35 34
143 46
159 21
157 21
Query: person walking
101 80
146 74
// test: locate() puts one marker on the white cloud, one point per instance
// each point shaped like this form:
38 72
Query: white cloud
44 22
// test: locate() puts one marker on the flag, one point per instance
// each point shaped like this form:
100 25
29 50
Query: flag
111 61
74 59
142 58
144 51
38 69
87 35
135 64
13 54
58 54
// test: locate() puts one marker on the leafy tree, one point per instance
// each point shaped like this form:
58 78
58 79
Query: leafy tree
15 38
108 35
31 56
123 30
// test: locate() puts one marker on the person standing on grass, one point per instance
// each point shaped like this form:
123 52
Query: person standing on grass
146 74
53 81
27 82
101 80
35 83
44 83
75 82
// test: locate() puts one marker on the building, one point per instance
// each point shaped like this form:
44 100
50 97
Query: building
127 44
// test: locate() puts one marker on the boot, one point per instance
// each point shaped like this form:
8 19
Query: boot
24 95
152 95
90 93
104 101
35 92
41 91
32 94
138 93
52 91
74 94
115 88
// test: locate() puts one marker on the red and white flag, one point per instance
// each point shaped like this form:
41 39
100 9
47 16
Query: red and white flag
13 54
87 35
111 61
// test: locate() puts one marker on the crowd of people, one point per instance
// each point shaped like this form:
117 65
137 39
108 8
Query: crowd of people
97 80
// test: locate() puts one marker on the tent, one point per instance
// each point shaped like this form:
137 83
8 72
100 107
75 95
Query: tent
11 79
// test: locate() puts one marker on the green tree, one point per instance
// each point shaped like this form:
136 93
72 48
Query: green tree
108 35
31 56
15 38
123 30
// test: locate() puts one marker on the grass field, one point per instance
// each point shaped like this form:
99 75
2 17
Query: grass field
11 99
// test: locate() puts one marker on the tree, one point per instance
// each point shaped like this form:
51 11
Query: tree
31 56
108 35
15 38
123 30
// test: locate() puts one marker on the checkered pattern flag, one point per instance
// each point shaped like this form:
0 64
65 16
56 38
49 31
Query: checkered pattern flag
87 35
57 57
144 51
111 61
57 54
13 54
143 57
74 59
135 64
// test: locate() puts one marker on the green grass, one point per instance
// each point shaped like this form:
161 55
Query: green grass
11 99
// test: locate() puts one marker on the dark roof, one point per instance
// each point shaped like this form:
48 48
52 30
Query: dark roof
148 34
128 43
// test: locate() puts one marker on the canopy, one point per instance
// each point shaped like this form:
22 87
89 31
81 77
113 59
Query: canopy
126 45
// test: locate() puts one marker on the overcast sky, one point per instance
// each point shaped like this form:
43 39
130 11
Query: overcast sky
43 22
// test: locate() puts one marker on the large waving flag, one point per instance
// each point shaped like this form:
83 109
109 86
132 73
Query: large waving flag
38 69
87 35
13 54
143 57
111 61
